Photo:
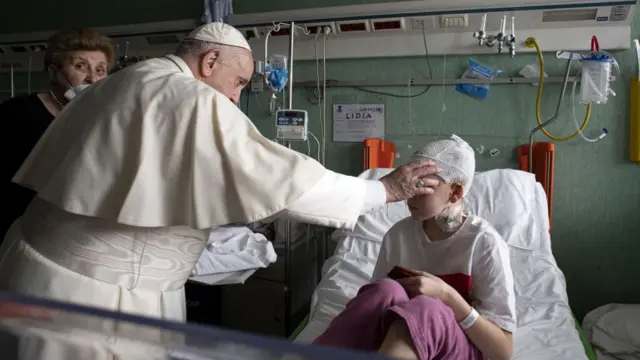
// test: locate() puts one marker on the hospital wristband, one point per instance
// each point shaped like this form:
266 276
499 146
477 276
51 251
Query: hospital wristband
469 320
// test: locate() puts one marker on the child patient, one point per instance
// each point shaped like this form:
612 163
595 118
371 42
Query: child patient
458 301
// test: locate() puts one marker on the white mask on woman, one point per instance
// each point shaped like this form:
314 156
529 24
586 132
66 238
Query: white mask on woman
74 91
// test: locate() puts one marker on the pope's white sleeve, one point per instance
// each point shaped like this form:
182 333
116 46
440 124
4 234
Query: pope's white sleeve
375 196
337 201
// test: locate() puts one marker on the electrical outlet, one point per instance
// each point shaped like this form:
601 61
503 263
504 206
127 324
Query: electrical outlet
257 84
426 21
454 21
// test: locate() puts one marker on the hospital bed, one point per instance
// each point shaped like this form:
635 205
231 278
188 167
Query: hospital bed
517 207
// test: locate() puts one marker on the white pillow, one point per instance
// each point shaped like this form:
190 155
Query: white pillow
614 330
510 200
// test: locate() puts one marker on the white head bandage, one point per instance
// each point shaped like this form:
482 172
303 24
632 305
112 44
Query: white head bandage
220 33
455 159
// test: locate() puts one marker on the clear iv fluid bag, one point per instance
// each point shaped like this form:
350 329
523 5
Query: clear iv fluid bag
596 78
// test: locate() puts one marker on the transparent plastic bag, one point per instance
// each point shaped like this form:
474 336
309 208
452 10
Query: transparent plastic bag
477 70
595 79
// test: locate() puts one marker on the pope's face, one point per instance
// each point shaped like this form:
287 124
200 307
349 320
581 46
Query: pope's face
228 71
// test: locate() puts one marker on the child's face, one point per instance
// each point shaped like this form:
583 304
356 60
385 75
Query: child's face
425 207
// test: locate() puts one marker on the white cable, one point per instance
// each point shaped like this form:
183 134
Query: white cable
321 100
324 98
304 30
317 142
266 46
258 101
444 91
308 147
315 54
265 76
410 111
575 119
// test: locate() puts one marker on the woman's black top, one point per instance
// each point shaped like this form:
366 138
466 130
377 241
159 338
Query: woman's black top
23 119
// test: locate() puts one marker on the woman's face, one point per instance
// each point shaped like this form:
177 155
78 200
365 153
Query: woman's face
84 67
425 207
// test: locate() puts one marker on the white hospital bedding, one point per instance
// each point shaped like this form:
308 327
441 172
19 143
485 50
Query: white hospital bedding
516 206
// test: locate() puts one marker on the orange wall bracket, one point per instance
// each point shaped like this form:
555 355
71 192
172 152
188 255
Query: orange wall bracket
543 167
378 154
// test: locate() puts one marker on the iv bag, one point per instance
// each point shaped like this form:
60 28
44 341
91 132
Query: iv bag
276 73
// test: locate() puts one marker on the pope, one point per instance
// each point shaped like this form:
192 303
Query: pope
139 167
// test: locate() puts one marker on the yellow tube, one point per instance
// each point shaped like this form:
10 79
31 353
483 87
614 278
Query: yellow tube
634 128
532 42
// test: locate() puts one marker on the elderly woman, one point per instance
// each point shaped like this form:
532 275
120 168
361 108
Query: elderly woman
74 59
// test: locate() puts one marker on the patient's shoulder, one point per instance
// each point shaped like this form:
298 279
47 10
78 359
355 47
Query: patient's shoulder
483 233
401 233
481 227
403 227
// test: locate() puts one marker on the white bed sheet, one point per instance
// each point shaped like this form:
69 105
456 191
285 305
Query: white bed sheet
546 329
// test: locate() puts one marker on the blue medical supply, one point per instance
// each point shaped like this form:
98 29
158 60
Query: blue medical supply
276 78
477 70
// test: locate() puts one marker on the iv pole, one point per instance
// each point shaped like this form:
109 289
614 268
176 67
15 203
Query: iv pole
288 232
291 41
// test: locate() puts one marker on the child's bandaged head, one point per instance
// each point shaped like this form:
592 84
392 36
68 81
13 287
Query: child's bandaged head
455 159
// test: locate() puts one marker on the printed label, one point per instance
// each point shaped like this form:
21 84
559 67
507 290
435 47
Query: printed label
619 13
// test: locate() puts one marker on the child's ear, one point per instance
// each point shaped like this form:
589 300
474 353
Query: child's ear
456 194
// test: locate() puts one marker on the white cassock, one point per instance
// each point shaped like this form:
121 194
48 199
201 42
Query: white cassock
131 177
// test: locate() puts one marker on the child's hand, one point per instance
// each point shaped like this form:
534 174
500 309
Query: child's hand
425 284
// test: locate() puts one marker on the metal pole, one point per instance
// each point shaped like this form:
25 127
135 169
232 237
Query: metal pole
284 100
435 82
288 242
291 38
13 88
29 76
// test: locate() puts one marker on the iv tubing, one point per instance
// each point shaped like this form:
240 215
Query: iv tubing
532 42
575 118
553 118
